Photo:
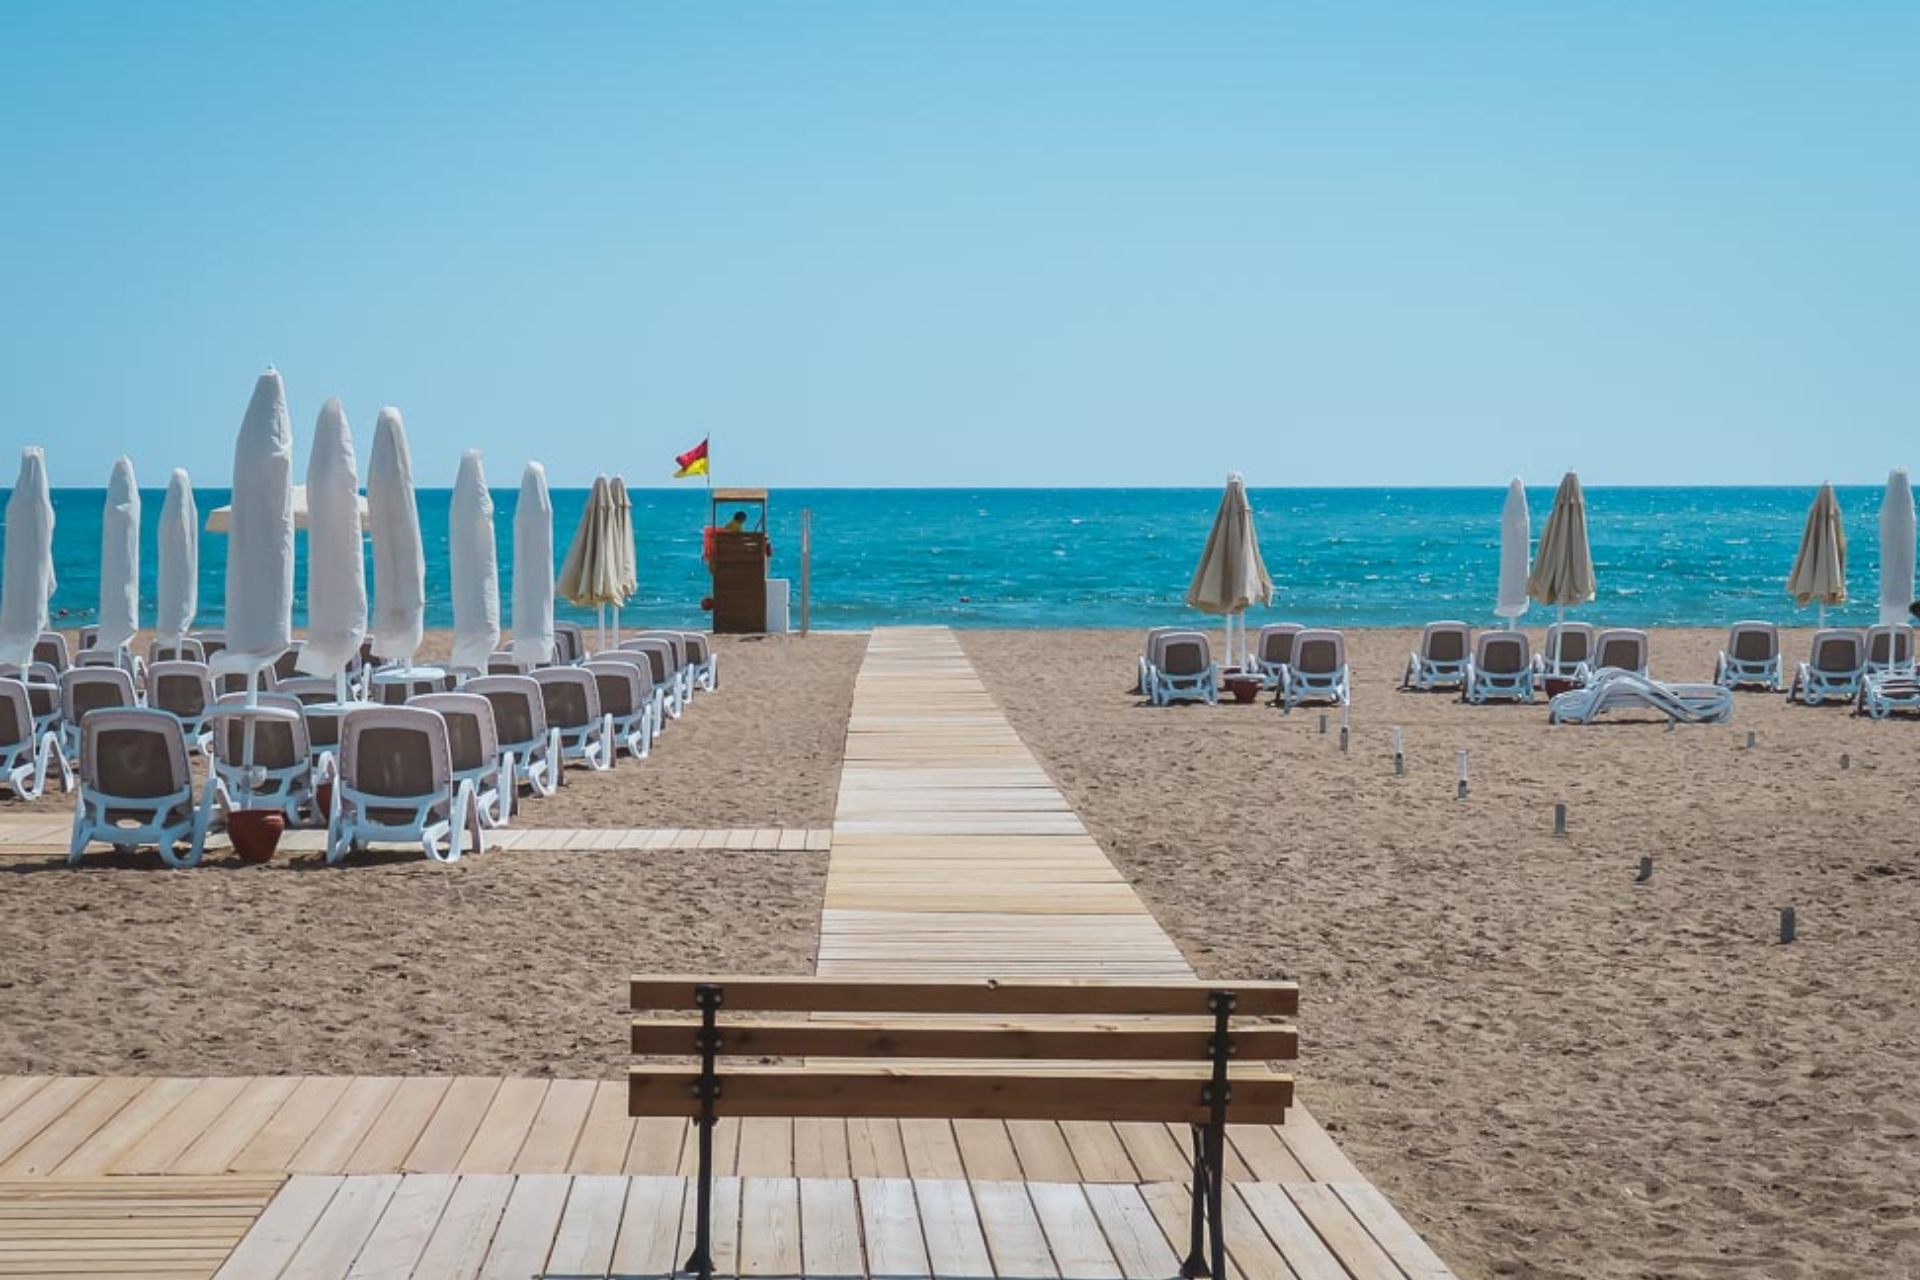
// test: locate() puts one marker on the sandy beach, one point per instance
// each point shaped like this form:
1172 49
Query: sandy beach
1555 1071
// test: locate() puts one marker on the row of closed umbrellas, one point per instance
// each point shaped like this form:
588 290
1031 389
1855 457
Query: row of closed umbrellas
600 570
1232 577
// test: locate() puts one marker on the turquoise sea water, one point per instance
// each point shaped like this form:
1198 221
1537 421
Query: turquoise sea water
1122 557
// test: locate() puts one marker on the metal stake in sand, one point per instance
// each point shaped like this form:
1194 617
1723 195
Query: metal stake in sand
1323 723
1789 926
1750 737
1346 726
1399 756
1460 769
1559 818
1846 762
1646 870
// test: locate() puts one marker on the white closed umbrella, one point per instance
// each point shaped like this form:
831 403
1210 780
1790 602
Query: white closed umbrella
1231 577
1820 567
399 560
474 564
260 549
1516 532
29 581
626 564
179 578
1562 573
590 579
1896 550
119 615
336 550
533 569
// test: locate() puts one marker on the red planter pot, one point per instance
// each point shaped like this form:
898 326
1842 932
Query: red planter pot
256 833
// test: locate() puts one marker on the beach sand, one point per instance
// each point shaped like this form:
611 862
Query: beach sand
1555 1071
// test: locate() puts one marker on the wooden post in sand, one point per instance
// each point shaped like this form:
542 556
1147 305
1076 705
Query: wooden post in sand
1460 763
1789 926
1399 756
1646 869
1749 739
1846 762
1560 818
1323 724
1345 725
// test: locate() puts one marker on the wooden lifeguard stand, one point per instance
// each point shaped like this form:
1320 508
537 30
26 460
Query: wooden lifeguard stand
737 557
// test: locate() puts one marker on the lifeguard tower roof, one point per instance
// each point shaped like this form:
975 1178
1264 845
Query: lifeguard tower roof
739 495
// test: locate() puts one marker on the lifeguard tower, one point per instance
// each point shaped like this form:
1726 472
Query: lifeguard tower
736 552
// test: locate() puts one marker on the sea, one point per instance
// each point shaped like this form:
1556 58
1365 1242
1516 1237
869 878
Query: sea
1023 558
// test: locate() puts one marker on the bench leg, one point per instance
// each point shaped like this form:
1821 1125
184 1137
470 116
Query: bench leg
700 1261
1209 1164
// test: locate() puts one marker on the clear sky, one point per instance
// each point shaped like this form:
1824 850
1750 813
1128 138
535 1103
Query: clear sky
919 243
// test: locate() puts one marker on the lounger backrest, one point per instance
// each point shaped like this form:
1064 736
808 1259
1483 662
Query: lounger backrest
569 642
1502 653
1838 651
287 665
134 754
96 658
1621 647
185 649
1889 646
501 662
397 753
619 686
1575 642
309 690
236 681
211 642
1319 653
472 740
1754 642
519 711
51 648
90 636
698 648
674 641
278 743
1276 643
184 688
1185 653
1151 645
16 714
1446 641
570 695
659 656
84 689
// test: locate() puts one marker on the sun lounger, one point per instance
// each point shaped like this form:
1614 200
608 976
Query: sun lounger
396 786
473 745
702 662
1501 668
666 676
1567 647
43 694
51 648
1185 670
211 642
25 752
1890 651
226 682
1617 649
136 786
185 689
87 689
287 665
654 693
626 699
1441 662
682 663
262 758
520 725
501 662
1834 668
185 649
1882 695
1273 650
395 686
1751 659
1318 672
569 643
309 691
1150 658
1614 690
572 700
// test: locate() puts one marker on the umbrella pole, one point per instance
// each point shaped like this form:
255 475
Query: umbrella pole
616 626
1559 620
1823 613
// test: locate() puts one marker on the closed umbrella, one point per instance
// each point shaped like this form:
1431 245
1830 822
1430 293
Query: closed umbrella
120 559
1563 565
533 569
29 582
336 551
260 551
1820 569
1516 532
474 565
399 560
179 584
590 577
628 570
1231 576
1896 550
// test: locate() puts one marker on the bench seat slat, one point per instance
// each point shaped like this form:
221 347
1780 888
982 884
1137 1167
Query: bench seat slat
1094 997
1185 1040
1170 1094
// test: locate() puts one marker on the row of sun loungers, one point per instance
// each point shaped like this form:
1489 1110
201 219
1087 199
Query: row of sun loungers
419 756
1299 664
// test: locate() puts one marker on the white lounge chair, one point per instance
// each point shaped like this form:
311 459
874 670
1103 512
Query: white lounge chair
51 648
1618 649
1751 659
569 643
1273 650
1882 695
25 752
1834 669
1565 651
262 757
87 689
702 661
1501 668
676 641
186 689
396 786
666 676
473 745
136 786
1441 662
573 711
1185 670
185 649
1150 657
1318 672
520 724
1613 689
1890 651
501 662
211 643
627 700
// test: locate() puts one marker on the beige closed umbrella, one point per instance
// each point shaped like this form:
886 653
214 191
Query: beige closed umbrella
590 577
1232 577
1820 570
1563 563
628 568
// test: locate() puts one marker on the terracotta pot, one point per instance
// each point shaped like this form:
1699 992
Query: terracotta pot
256 833
323 800
1557 685
1243 688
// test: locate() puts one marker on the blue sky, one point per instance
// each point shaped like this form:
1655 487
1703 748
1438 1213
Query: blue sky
983 243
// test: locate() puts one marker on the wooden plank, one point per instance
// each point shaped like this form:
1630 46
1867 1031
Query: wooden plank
1188 1040
16 1089
902 1148
606 1134
1344 1234
1012 1228
400 1126
830 1230
1073 1232
347 1125
1409 1252
1172 1094
987 1150
956 1247
649 1237
69 1129
820 1148
1315 1151
1098 1153
659 1145
273 1148
770 1229
405 1226
228 1133
589 1228
890 1221
1140 1247
556 1128
112 1140
343 1230
464 1234
1290 1232
504 1128
1264 1154
1083 996
281 1230
1044 1155
458 1117
527 1227
766 1148
34 1113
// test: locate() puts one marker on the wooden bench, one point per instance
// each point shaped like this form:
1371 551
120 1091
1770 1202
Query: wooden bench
1031 1050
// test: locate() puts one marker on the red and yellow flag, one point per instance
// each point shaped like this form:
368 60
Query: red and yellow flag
693 462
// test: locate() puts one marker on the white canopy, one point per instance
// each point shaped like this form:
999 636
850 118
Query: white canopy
260 551
399 560
533 569
29 582
1516 532
119 615
179 585
336 549
1896 549
474 563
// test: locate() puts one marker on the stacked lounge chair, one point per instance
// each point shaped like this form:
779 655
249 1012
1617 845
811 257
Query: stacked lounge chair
1613 689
